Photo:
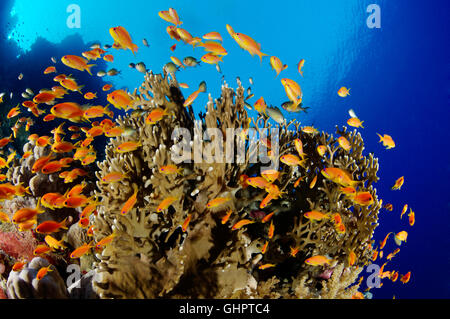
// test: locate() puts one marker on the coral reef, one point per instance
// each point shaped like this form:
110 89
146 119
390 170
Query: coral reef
24 284
153 256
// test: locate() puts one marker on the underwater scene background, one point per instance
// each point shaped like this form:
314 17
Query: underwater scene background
398 77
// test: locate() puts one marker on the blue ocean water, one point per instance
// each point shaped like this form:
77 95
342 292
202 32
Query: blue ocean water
398 75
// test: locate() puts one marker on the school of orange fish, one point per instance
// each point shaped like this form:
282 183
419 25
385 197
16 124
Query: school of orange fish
83 151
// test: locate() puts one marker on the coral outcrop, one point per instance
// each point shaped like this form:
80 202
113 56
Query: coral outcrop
152 255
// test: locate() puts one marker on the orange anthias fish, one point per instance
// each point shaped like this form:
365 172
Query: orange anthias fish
247 43
191 98
71 85
270 175
213 47
186 223
50 69
405 278
51 226
165 203
383 243
343 92
351 258
398 183
293 90
355 122
54 243
294 251
318 260
170 169
128 147
18 266
271 230
316 215
339 176
113 177
106 241
108 58
363 198
156 115
387 141
265 246
267 217
313 182
213 36
404 210
77 62
277 65
129 204
321 150
217 202
258 182
24 214
13 112
412 217
400 237
120 99
299 147
291 160
300 65
344 143
90 96
42 250
4 218
122 39
226 217
242 223
43 272
265 266
82 250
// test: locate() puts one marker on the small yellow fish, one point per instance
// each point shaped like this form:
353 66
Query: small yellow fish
242 223
226 217
265 266
387 141
316 215
128 147
318 260
355 122
217 202
398 183
344 143
186 223
321 150
343 91
412 217
405 208
165 203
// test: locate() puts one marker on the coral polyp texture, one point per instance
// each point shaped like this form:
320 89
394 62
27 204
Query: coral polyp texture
155 254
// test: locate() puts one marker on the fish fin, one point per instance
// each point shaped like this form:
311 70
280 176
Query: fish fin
381 137
88 68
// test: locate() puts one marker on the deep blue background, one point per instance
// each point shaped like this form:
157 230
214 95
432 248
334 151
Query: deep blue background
398 75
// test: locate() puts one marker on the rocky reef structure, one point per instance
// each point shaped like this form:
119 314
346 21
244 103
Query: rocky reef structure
190 248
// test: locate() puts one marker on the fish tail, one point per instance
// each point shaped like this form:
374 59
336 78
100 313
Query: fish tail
88 68
381 137
64 223
260 54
